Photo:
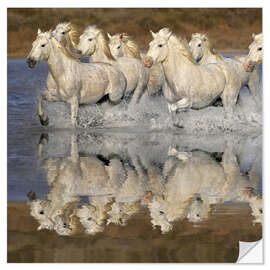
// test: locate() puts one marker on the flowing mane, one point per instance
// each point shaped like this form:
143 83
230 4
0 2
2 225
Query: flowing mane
73 34
131 49
208 44
64 50
181 45
102 40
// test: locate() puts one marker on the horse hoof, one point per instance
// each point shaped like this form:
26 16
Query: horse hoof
44 120
44 138
178 126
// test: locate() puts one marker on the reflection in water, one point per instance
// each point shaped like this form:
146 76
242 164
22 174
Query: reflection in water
89 191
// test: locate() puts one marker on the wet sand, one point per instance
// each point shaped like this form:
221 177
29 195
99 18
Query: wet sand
214 240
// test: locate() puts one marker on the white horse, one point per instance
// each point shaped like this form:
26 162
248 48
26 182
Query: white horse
122 45
194 182
255 52
203 52
93 42
191 85
67 35
77 83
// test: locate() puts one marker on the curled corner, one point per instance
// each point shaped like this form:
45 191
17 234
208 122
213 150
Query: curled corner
250 252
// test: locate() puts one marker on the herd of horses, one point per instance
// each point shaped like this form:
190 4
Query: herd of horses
190 75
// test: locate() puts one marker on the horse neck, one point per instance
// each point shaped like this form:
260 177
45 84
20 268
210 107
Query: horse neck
70 47
99 55
207 55
57 61
172 63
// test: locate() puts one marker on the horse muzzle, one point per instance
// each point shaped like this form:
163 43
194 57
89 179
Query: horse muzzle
31 62
77 53
148 61
31 196
248 66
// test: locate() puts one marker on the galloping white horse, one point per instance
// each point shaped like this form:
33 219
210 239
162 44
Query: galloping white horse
122 45
191 85
255 52
67 35
204 53
94 43
77 83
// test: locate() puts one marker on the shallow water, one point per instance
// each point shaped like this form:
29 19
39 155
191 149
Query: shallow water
141 190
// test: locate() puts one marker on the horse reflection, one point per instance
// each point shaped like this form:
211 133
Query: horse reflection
195 182
186 186
113 187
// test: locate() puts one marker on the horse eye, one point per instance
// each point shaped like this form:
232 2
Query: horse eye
261 211
41 213
90 39
118 47
259 49
63 33
65 225
43 45
161 212
160 45
197 215
199 45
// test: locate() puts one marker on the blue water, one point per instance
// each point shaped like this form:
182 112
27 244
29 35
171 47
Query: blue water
24 129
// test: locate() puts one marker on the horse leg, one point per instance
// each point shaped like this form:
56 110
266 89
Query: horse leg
254 86
74 105
183 103
74 153
231 168
117 92
44 137
169 93
46 95
183 156
229 98
139 91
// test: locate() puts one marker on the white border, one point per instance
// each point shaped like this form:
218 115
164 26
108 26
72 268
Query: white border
102 3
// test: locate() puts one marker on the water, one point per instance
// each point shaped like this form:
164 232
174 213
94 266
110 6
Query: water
125 195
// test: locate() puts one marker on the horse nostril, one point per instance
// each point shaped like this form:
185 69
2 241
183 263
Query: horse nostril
30 62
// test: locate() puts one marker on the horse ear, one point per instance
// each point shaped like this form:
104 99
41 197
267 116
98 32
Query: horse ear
123 37
97 34
38 31
168 35
153 34
40 228
204 37
50 33
109 36
253 36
